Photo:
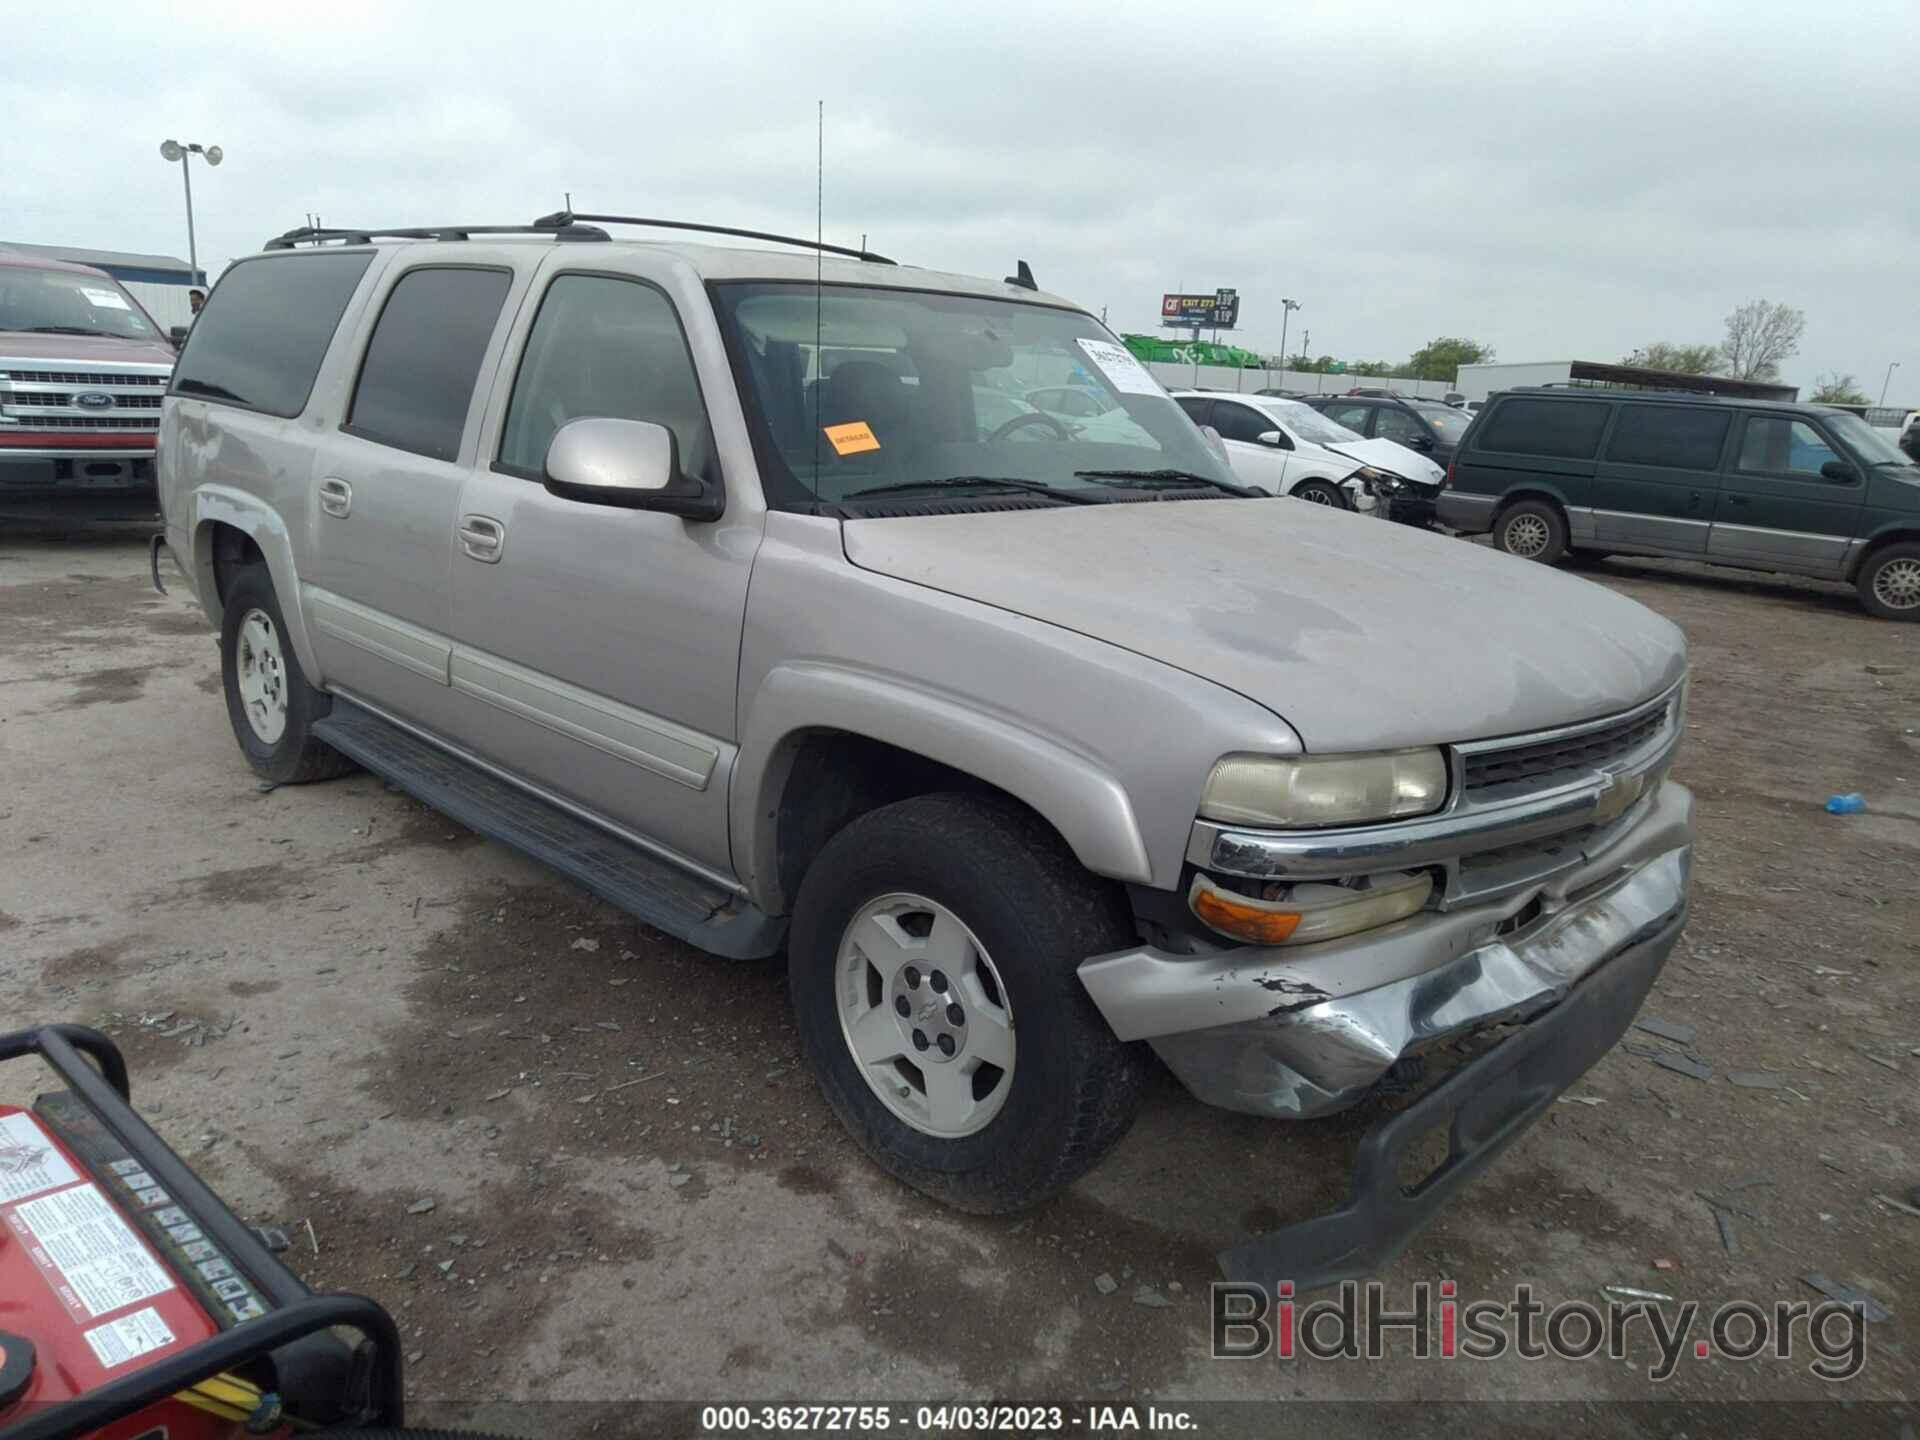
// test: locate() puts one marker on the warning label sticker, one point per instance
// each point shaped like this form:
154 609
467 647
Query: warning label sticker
89 1254
853 438
28 1161
129 1337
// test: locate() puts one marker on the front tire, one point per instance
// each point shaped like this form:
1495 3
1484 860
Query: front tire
1321 492
269 701
933 963
1532 530
1889 583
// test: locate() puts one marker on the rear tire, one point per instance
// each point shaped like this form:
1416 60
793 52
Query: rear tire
1321 492
924 933
1889 583
1532 530
269 701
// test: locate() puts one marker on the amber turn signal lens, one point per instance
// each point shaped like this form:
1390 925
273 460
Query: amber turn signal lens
1243 919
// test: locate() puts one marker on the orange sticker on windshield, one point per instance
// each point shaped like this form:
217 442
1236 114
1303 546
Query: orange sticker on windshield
853 438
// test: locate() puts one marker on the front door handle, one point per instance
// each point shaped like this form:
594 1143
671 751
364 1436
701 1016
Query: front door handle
1736 499
336 497
483 538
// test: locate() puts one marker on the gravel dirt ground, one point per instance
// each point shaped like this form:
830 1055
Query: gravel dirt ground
342 1007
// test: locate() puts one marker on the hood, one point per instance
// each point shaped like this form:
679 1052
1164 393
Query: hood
1360 635
19 345
1393 457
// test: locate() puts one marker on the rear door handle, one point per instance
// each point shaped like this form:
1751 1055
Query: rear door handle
483 538
336 497
1737 499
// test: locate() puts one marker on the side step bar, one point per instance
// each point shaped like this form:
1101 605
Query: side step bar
648 888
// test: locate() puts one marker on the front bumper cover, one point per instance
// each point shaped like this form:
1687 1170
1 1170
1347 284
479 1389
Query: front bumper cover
1485 1105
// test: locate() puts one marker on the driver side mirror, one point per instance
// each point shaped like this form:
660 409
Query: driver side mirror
630 464
1839 471
1419 442
1275 438
178 335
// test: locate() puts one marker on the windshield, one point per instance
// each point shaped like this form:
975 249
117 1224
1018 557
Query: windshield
1450 423
1309 424
63 303
1871 445
888 388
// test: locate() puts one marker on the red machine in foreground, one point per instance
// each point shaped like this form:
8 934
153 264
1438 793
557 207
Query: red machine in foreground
135 1306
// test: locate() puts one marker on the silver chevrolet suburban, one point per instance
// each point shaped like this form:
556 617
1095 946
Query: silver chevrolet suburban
717 578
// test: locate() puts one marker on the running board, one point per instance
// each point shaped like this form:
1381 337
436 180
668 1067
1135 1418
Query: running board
648 888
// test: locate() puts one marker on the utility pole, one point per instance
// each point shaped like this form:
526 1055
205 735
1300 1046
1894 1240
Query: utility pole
1893 366
1287 307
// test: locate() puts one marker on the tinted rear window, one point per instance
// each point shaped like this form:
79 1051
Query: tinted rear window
417 380
1669 435
1568 429
264 330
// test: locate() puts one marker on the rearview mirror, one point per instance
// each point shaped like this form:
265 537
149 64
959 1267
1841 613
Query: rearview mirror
631 464
1838 471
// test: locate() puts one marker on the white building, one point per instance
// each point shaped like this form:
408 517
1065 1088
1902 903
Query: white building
1476 382
159 282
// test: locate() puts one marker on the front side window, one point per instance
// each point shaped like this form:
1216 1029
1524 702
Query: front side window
260 338
602 346
1775 445
61 302
1397 425
417 380
852 390
1240 422
1198 408
1353 417
1681 437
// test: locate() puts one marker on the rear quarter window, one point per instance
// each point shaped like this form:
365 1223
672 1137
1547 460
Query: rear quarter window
1565 429
1670 435
264 330
417 379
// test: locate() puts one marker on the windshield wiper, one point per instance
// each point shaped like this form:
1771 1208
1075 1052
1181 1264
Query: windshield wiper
1166 479
207 387
64 330
1029 487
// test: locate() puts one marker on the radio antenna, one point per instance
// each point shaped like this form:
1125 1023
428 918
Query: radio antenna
819 234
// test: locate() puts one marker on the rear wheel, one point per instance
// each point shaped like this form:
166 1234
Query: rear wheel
1532 530
270 703
1889 583
933 969
1321 492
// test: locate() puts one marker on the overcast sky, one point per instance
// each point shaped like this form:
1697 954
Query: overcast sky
1555 180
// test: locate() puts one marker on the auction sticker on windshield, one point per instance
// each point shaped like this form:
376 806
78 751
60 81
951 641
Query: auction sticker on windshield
1125 373
854 438
104 299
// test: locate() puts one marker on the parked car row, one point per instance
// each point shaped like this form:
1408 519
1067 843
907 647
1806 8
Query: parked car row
1762 485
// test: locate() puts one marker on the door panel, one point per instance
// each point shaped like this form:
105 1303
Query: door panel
596 649
1657 481
1776 508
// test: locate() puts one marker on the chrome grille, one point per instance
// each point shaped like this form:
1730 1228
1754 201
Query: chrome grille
1541 764
35 397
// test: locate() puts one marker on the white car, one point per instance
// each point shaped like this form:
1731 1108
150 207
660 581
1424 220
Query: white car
1088 413
1287 448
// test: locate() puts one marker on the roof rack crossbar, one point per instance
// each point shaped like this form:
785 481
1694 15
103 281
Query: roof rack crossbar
310 235
562 218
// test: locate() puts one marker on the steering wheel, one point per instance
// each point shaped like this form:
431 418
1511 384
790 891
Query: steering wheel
1031 417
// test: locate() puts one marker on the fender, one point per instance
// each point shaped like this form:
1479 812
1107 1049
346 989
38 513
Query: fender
223 504
1080 799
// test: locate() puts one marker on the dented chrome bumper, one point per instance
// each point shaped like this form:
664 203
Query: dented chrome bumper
1306 1030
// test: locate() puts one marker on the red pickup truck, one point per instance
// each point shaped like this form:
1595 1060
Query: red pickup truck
82 370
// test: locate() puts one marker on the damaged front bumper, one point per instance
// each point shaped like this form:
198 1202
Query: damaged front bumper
1307 1030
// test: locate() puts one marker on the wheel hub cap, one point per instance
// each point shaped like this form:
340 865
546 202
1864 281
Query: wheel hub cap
925 1016
1527 536
262 674
1897 586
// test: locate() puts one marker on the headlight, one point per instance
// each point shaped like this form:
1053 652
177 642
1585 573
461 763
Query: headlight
1378 481
1313 790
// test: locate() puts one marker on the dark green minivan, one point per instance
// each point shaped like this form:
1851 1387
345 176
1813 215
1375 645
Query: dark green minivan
1758 484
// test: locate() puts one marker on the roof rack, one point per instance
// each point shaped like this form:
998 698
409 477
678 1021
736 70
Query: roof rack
565 218
311 235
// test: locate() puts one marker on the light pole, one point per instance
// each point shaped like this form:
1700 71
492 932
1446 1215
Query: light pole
171 150
1891 367
1287 307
